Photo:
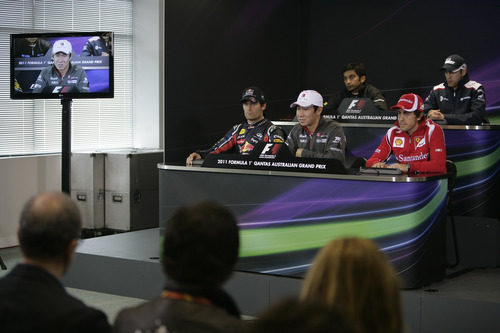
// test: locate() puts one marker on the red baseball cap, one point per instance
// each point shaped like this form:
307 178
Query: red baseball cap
410 103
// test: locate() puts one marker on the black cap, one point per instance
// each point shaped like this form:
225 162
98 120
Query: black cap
253 94
454 63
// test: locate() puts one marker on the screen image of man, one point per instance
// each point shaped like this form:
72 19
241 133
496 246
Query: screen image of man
97 46
354 75
458 100
315 136
242 138
62 76
417 143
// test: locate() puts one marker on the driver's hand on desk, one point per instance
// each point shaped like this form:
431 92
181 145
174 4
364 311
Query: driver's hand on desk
298 153
402 167
379 165
435 114
191 157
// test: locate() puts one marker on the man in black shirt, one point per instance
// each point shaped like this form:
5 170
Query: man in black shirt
458 100
32 297
354 75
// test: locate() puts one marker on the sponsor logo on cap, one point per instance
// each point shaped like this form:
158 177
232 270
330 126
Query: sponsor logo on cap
449 61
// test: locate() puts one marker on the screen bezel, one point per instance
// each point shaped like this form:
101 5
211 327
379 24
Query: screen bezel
70 95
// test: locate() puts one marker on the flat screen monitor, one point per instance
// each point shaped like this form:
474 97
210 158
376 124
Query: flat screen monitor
62 65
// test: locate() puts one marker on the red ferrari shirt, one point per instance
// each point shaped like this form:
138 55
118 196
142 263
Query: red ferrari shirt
424 150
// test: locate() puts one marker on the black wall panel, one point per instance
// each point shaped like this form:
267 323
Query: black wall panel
213 51
216 48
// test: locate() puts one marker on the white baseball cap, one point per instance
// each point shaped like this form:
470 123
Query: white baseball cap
61 45
307 98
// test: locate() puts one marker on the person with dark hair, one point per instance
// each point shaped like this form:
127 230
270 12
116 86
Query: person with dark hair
32 299
459 100
417 143
294 316
62 76
354 75
31 47
97 46
242 138
200 249
315 136
353 276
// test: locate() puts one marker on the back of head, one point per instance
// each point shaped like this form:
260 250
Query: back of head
200 245
354 276
358 67
293 316
48 224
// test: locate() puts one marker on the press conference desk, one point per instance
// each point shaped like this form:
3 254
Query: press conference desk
285 217
474 149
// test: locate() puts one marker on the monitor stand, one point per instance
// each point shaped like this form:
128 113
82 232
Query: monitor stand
66 146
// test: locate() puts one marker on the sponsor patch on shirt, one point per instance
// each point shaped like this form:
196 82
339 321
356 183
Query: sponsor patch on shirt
247 147
242 131
398 142
420 142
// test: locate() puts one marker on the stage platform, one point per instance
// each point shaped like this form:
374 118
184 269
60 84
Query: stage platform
128 264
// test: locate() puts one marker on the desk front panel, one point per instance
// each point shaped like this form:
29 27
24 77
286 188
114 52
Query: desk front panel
475 151
285 220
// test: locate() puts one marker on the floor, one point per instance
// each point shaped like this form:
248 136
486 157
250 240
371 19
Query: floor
108 303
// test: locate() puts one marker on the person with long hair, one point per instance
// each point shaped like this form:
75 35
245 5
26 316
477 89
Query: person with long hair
355 277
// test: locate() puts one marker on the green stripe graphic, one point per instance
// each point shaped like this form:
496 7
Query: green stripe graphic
465 168
257 242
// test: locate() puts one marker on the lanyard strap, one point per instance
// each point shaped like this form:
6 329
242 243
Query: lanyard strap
185 297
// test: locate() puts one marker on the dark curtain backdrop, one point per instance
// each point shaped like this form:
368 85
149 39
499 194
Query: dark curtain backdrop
216 48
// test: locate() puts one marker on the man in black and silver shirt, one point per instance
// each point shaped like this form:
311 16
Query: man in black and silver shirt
315 136
61 76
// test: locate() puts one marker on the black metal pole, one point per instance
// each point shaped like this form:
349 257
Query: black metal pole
66 146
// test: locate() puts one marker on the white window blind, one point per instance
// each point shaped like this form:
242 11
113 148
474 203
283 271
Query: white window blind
34 126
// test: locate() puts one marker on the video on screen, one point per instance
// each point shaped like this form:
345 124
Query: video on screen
72 65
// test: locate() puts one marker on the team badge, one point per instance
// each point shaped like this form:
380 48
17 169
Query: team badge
398 142
247 147
420 142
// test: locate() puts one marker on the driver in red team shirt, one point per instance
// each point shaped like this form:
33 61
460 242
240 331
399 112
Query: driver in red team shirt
417 143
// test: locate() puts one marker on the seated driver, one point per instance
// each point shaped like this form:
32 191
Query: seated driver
416 142
242 138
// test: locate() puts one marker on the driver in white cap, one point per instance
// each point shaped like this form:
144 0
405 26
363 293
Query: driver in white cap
62 76
315 136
